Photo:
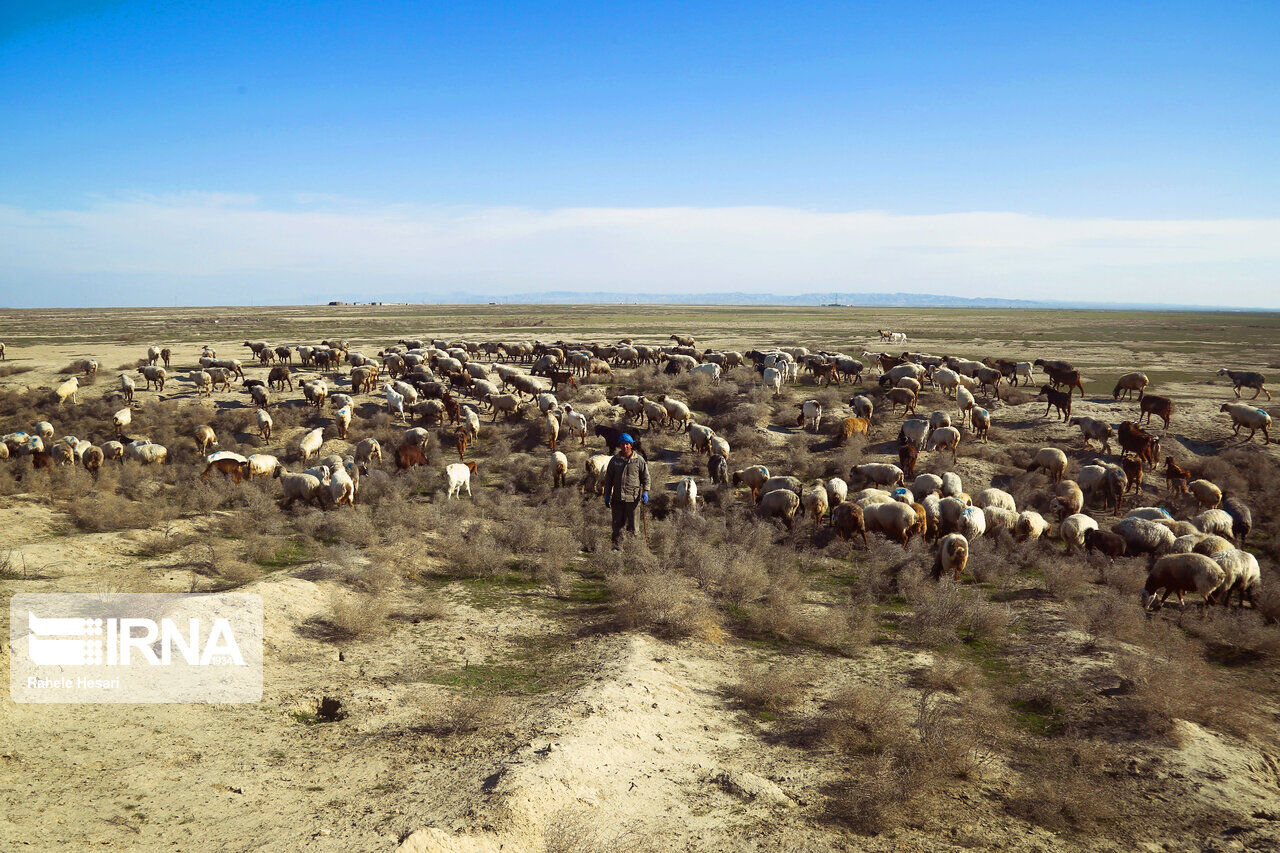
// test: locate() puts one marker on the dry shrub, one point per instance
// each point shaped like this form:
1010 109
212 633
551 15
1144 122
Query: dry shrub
352 617
1110 614
905 756
14 369
945 613
772 689
1162 689
449 716
1070 787
103 511
948 676
669 605
1066 576
471 551
1235 635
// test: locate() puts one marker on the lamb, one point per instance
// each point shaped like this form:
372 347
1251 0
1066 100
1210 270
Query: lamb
1241 517
815 501
894 520
1052 460
753 478
310 444
1182 573
574 424
459 474
1104 542
980 422
1206 494
1030 526
907 457
1133 471
1094 430
1128 383
154 376
127 387
1175 476
847 519
1060 400
300 487
952 556
810 414
1073 529
1215 521
67 391
315 392
1144 537
878 473
153 354
205 438
1247 379
779 503
718 469
1241 572
1243 416
946 438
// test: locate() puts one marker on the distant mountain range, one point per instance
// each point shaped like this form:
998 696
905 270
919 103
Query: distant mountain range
853 300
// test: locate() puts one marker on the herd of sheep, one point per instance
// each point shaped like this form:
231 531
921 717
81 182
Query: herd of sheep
454 384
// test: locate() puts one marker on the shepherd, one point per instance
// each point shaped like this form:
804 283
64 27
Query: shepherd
626 485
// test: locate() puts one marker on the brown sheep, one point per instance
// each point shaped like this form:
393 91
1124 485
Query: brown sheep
1154 404
850 427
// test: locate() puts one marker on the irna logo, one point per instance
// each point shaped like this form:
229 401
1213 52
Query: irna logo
72 641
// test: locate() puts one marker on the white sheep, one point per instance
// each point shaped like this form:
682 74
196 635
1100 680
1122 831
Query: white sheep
594 471
1052 460
67 391
837 491
395 401
342 487
44 429
127 387
772 377
1073 528
300 487
951 485
559 469
459 474
264 465
1244 416
146 454
926 484
1215 521
914 431
952 556
1031 525
810 414
879 473
815 501
1241 572
311 443
574 424
863 407
687 494
1207 495
966 404
265 423
945 438
719 446
677 411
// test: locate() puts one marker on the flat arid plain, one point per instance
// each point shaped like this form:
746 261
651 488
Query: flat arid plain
500 679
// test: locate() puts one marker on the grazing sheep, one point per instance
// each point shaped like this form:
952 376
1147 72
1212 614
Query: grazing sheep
1210 544
779 503
980 422
995 497
877 473
113 450
263 465
1244 416
1247 379
343 486
1073 529
1215 521
1128 383
774 483
913 431
972 522
559 469
1144 537
1030 526
260 396
815 501
1182 573
1187 542
92 459
459 474
847 519
1104 542
946 438
863 407
228 464
264 424
67 391
753 478
146 454
1206 494
205 438
395 401
574 424
894 520
342 421
951 485
719 446
1150 513
925 484
315 392
1094 430
1154 404
367 450
127 387
1241 573
952 556
1052 460
121 420
837 491
203 381
1241 517
999 519
300 487
904 397
687 494
594 470
700 438
156 376
310 444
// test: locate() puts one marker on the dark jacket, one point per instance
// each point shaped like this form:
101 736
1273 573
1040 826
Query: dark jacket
626 479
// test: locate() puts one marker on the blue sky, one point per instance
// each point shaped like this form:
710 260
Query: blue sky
150 146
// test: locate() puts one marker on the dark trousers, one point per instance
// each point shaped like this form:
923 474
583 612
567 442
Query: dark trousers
624 513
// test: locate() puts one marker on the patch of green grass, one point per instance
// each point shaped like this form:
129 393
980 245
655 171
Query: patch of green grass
288 555
307 718
537 665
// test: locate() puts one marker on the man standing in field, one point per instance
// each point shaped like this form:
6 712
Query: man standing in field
626 484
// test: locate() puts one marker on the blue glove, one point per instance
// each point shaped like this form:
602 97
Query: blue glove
606 501
645 498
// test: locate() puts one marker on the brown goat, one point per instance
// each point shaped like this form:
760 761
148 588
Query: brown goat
1133 439
850 427
1059 400
1176 476
847 520
1132 470
1069 379
1154 404
228 467
408 455
461 440
907 455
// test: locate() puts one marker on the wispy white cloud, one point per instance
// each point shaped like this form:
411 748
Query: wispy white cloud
173 241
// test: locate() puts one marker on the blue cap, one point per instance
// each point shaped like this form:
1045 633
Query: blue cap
626 438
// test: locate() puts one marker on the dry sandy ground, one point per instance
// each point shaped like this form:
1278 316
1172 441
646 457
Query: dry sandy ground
639 749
